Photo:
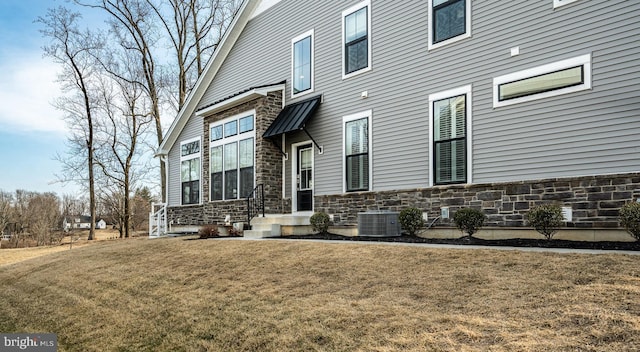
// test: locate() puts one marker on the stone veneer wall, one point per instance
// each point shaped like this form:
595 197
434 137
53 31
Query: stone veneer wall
268 169
595 200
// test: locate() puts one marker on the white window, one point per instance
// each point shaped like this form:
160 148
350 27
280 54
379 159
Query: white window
558 3
357 152
302 64
190 171
356 39
232 145
450 136
562 77
449 21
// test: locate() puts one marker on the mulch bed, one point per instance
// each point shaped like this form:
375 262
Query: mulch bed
466 241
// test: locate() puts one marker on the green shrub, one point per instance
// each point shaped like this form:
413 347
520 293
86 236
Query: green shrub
546 219
411 220
630 219
320 222
469 220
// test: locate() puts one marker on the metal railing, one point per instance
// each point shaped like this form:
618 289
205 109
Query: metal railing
255 203
158 220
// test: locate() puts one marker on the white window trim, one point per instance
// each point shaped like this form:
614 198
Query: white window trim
559 3
584 60
469 133
345 13
365 114
190 157
304 35
226 140
431 45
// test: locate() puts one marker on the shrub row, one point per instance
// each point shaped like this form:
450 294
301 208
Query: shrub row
546 219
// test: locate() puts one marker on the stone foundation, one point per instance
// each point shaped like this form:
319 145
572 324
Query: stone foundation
215 212
595 200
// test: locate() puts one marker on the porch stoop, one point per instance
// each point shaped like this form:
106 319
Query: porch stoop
278 225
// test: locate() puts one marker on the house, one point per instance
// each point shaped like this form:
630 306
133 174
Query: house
352 106
81 222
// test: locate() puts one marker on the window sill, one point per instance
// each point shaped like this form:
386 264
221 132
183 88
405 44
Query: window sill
432 46
303 93
355 73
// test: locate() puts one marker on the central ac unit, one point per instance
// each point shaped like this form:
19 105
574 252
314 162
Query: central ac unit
378 223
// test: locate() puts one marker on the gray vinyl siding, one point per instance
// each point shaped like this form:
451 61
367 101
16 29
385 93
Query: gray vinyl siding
585 133
192 129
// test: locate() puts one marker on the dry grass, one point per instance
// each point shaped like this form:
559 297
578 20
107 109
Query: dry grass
218 295
15 255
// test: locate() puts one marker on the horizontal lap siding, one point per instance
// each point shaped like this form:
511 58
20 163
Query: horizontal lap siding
583 133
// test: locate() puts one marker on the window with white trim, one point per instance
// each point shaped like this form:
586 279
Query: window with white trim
357 151
190 171
449 21
232 145
562 77
450 123
356 39
302 64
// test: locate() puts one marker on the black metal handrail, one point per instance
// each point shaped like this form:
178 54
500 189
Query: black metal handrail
255 203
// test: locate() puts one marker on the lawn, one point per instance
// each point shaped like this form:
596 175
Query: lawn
275 295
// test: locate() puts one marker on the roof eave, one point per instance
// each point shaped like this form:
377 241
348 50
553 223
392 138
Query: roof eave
239 99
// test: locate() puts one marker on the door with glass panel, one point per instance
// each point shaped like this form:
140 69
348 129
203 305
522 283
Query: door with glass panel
304 178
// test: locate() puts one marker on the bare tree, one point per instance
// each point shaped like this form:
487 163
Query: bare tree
112 199
140 207
73 206
126 124
194 27
43 215
6 199
131 27
20 217
72 48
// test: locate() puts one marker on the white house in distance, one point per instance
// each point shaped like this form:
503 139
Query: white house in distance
372 105
81 222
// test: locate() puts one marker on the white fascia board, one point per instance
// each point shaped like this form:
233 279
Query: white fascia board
239 99
213 65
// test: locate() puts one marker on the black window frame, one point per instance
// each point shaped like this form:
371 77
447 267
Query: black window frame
225 183
190 190
435 21
356 41
450 141
349 157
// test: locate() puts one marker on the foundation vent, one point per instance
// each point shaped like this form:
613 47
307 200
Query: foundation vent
378 224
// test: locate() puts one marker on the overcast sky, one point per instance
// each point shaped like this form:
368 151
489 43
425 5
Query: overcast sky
31 129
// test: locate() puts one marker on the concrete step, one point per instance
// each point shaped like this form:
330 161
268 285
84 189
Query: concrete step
283 219
272 225
263 231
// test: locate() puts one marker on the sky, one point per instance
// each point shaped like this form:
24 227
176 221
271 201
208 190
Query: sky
32 131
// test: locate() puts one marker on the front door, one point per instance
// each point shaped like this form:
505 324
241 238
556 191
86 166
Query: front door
304 178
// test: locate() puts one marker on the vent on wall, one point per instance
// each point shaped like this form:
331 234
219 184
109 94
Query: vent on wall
378 223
